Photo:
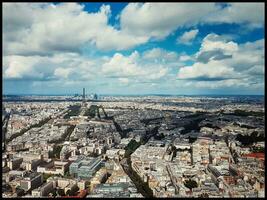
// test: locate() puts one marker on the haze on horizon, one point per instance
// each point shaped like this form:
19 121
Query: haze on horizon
128 48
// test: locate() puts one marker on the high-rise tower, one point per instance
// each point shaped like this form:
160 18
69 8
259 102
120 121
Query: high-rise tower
83 95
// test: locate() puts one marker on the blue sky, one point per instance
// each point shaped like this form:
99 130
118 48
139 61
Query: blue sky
135 48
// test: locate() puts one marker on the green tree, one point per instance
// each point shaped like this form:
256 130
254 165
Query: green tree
204 195
68 193
131 147
53 193
56 151
46 176
74 190
190 184
192 139
60 192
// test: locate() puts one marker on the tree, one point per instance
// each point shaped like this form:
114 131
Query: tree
257 149
53 193
226 139
74 190
67 174
46 176
204 195
192 139
131 147
159 136
174 150
20 191
60 192
68 193
56 151
51 154
190 184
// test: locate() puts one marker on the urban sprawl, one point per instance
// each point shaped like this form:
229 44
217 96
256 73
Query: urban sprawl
138 146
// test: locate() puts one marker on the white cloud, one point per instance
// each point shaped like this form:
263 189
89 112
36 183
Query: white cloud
158 53
66 66
16 67
168 59
212 70
158 73
256 70
132 66
60 28
188 37
120 65
144 19
256 45
124 80
250 13
215 42
44 28
185 58
215 47
226 64
44 41
62 72
229 83
74 67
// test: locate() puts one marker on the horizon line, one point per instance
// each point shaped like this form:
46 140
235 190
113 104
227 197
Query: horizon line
11 94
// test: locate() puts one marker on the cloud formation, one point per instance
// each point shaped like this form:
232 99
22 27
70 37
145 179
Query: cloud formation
219 61
188 37
49 28
250 13
64 43
43 28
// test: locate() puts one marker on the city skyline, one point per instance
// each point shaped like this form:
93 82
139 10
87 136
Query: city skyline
118 48
133 100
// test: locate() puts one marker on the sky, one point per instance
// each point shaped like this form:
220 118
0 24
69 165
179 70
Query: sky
133 48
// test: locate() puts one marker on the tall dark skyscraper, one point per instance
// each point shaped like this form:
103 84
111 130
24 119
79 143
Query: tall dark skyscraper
95 96
83 94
